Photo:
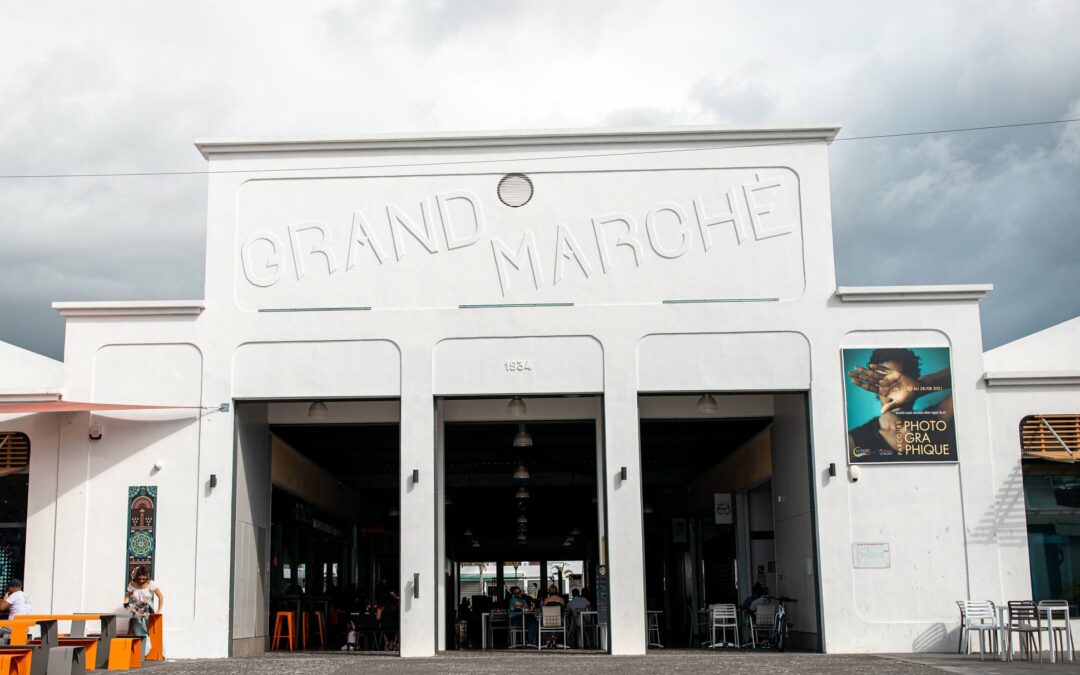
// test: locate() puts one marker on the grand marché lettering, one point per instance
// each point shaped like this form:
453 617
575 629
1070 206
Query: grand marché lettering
455 220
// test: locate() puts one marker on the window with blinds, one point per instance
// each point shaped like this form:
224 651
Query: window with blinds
14 452
1052 437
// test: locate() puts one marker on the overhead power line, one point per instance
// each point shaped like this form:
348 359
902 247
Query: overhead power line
588 155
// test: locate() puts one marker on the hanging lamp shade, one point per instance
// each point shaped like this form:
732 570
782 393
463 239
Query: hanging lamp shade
521 536
648 508
523 518
516 407
467 533
706 405
318 411
522 493
567 542
522 439
575 532
475 544
521 473
394 513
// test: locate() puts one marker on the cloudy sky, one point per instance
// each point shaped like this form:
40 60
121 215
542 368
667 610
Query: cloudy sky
126 86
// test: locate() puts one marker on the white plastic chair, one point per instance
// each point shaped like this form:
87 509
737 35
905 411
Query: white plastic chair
981 616
723 618
1060 608
551 621
762 621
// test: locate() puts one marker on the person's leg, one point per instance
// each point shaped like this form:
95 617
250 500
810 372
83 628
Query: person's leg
533 629
139 628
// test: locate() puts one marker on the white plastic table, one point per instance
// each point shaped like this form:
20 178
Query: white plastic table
1049 612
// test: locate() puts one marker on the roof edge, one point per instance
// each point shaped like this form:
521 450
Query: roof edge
1029 378
464 139
131 308
962 292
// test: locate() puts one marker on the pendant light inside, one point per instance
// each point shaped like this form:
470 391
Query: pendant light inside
706 405
523 518
394 513
521 537
522 439
522 493
318 411
467 533
475 544
648 509
521 473
575 532
516 407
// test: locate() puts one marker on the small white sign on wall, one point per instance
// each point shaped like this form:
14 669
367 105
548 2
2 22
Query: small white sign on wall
870 556
722 508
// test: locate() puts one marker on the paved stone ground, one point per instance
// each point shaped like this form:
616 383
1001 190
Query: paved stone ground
668 661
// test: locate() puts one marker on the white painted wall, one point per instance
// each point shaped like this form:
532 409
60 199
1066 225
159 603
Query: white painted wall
295 242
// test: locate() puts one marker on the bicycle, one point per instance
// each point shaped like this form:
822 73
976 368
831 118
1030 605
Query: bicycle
781 625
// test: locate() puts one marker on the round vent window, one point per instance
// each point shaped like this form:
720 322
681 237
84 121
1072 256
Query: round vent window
515 189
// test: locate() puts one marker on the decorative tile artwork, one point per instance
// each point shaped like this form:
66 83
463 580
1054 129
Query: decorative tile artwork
142 528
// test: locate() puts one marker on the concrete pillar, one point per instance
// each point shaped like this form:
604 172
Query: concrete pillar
625 539
419 625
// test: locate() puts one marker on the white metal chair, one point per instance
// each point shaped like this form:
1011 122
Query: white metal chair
981 616
1060 608
723 618
516 626
762 621
552 622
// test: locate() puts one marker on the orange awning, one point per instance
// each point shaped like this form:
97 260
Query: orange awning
76 406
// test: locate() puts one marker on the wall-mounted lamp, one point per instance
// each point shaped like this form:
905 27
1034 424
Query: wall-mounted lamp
832 469
706 405
213 480
622 473
96 431
318 411
415 476
159 465
416 584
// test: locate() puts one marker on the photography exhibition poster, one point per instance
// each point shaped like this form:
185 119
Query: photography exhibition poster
898 405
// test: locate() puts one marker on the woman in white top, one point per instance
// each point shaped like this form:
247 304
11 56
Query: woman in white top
140 599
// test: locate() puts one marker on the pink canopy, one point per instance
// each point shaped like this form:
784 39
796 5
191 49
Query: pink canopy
75 406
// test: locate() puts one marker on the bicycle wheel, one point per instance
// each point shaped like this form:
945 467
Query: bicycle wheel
781 638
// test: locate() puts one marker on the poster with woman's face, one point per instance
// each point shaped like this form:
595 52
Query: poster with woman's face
898 405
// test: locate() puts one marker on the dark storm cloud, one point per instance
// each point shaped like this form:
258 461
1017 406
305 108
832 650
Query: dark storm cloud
128 86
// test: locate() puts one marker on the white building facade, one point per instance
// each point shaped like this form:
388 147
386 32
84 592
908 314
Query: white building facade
608 276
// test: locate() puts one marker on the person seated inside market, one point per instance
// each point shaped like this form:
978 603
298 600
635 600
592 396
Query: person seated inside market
578 604
553 596
520 605
758 595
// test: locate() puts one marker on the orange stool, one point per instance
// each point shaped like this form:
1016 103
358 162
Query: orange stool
319 629
281 619
125 653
